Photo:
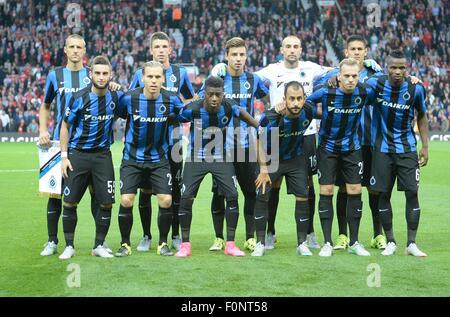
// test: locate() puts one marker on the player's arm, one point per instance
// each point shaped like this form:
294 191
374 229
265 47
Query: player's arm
186 91
44 109
64 141
422 123
247 118
263 178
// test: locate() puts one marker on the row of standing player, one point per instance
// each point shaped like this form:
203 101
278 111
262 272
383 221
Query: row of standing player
236 57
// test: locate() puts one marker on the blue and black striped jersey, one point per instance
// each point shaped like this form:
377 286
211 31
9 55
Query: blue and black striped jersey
341 115
393 114
243 90
205 126
364 131
146 133
290 131
91 118
61 84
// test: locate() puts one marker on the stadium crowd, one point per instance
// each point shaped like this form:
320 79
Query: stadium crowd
32 39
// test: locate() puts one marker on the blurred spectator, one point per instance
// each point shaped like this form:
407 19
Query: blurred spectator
33 127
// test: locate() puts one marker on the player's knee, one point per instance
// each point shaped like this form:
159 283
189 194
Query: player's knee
301 198
127 201
165 201
326 190
353 189
70 205
232 204
411 196
186 205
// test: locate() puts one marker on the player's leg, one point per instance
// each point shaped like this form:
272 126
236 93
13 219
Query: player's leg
131 177
74 188
382 180
310 150
218 217
326 172
53 214
193 174
296 175
273 208
352 170
162 181
102 175
378 239
145 214
408 176
341 211
176 169
225 176
245 174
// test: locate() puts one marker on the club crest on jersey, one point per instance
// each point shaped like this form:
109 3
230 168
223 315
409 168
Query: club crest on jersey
358 100
406 96
66 191
247 85
86 80
173 78
302 74
224 120
305 123
67 111
52 182
162 109
112 105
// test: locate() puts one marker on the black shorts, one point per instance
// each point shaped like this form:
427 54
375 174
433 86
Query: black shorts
222 172
349 163
295 172
90 167
386 167
154 176
246 176
366 152
310 152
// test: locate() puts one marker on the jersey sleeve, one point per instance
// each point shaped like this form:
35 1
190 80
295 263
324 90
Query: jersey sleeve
236 110
325 77
186 89
260 89
136 82
201 91
318 71
316 96
264 74
177 104
50 88
185 115
310 110
121 109
419 99
72 109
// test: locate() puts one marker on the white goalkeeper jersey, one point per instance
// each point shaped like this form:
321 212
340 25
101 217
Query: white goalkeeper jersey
276 75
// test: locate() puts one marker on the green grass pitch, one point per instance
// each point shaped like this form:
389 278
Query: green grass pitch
280 273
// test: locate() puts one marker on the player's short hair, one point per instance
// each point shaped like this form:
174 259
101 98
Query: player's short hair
159 36
349 62
235 42
75 36
295 85
213 82
397 53
355 38
290 36
152 64
100 60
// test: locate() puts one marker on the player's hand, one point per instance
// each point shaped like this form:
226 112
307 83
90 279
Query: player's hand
280 107
423 156
64 165
333 82
415 80
220 70
44 138
262 180
114 86
373 65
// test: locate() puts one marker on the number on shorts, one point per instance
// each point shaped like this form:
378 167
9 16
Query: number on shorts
178 176
313 161
417 174
361 166
169 176
111 187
